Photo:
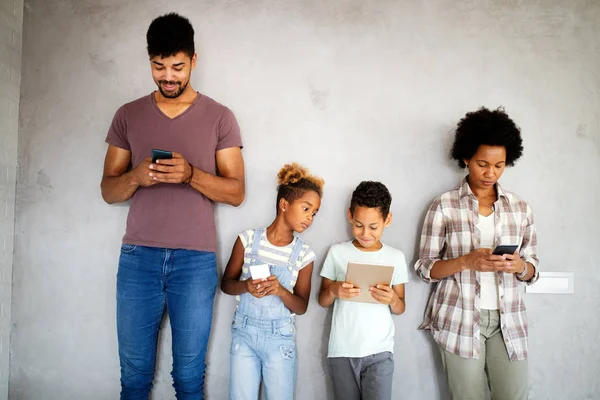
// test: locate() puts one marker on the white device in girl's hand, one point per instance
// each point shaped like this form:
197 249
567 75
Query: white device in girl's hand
260 271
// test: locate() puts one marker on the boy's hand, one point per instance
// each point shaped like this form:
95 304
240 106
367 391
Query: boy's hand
343 290
383 294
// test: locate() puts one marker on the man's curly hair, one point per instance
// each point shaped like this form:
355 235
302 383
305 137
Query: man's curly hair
372 195
170 34
493 128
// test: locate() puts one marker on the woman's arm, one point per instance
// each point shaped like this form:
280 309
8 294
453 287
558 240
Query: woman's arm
432 268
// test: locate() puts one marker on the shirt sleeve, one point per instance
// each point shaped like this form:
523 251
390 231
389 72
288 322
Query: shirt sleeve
528 250
117 133
400 270
433 237
228 131
308 257
328 270
246 237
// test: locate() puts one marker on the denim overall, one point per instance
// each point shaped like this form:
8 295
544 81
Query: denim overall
263 343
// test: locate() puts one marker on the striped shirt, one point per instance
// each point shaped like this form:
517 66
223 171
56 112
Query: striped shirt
275 255
453 310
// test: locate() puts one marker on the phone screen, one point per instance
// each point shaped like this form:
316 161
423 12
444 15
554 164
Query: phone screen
158 154
505 249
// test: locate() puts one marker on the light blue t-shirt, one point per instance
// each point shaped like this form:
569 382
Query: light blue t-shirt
361 329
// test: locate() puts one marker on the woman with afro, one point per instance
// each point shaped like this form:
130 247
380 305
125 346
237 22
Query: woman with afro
476 313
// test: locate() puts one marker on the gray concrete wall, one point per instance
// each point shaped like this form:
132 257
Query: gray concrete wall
353 89
11 28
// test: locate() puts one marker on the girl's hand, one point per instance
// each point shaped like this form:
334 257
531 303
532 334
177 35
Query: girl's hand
383 294
256 287
273 287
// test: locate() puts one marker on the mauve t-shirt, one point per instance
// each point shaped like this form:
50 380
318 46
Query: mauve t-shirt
171 215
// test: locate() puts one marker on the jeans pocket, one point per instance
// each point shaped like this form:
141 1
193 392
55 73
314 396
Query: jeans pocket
287 331
235 344
128 248
236 324
241 343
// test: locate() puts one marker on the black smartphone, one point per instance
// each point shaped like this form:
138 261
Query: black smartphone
505 249
158 154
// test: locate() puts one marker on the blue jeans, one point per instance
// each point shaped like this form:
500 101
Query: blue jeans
149 280
263 350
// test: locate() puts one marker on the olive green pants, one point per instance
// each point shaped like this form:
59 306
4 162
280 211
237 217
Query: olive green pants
507 380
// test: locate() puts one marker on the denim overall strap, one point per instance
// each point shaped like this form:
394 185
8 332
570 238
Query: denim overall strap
256 236
254 249
256 244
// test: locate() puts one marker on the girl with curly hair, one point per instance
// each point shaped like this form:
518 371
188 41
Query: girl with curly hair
263 345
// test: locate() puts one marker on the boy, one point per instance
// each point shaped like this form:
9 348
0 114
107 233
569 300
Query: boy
362 334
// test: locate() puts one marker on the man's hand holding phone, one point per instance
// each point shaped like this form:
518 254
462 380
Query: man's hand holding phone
142 174
170 170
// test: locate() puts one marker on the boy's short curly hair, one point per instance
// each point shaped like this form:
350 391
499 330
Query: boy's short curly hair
493 128
372 195
170 34
294 180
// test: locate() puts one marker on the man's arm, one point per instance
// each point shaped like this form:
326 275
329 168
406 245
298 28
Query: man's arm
117 184
229 187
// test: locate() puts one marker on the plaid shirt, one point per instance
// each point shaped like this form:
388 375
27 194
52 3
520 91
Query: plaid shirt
453 310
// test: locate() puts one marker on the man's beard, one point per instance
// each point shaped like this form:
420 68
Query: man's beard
174 94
